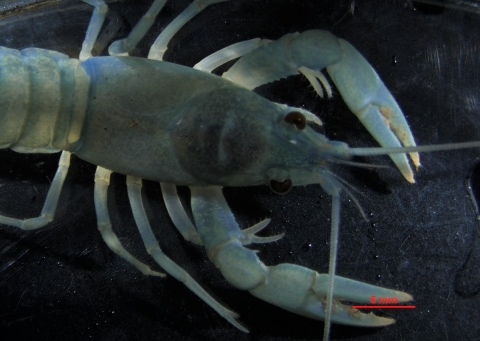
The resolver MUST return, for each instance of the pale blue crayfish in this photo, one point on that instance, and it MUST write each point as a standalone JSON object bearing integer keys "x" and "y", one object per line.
{"x": 159, "y": 121}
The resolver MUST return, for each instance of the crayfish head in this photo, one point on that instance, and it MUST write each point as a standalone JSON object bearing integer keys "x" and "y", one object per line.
{"x": 233, "y": 137}
{"x": 304, "y": 152}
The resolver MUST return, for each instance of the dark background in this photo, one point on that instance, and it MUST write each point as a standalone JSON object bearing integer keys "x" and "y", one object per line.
{"x": 62, "y": 282}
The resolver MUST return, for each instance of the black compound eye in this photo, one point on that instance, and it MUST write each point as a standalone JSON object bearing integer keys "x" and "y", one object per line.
{"x": 281, "y": 187}
{"x": 296, "y": 119}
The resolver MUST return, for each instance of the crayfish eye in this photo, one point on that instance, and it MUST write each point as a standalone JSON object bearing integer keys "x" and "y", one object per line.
{"x": 281, "y": 187}
{"x": 296, "y": 119}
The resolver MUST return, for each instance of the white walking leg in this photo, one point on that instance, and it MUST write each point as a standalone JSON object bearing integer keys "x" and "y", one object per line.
{"x": 51, "y": 202}
{"x": 102, "y": 181}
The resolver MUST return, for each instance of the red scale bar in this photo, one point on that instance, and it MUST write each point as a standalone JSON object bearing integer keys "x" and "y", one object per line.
{"x": 383, "y": 306}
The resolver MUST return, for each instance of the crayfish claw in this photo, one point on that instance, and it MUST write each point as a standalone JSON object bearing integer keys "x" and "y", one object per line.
{"x": 369, "y": 99}
{"x": 249, "y": 236}
{"x": 314, "y": 77}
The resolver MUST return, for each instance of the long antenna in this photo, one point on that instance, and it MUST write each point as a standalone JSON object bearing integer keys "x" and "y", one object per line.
{"x": 396, "y": 150}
